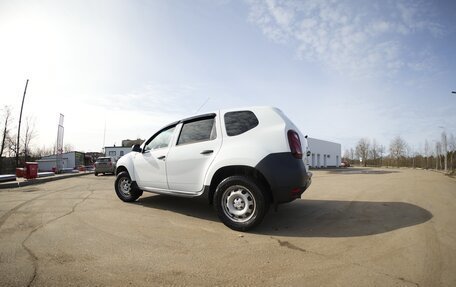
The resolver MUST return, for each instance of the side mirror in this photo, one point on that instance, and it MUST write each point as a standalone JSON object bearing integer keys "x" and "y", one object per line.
{"x": 308, "y": 153}
{"x": 136, "y": 148}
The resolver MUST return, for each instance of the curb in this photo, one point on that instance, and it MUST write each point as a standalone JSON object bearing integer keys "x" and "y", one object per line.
{"x": 40, "y": 180}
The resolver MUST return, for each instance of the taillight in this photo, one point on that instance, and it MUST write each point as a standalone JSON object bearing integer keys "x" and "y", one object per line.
{"x": 295, "y": 144}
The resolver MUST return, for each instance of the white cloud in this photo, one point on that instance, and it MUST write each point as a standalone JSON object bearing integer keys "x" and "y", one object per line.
{"x": 360, "y": 39}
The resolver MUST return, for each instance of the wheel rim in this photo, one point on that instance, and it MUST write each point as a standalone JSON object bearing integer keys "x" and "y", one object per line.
{"x": 125, "y": 186}
{"x": 238, "y": 203}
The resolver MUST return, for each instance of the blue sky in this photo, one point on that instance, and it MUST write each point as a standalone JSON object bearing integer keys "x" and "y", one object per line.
{"x": 341, "y": 70}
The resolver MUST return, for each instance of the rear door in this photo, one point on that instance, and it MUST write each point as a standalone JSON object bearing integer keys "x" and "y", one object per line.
{"x": 187, "y": 162}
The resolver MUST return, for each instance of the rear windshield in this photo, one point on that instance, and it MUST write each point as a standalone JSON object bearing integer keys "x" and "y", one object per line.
{"x": 105, "y": 159}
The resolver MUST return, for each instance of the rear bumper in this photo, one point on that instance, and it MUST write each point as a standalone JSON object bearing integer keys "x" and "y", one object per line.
{"x": 286, "y": 175}
{"x": 105, "y": 169}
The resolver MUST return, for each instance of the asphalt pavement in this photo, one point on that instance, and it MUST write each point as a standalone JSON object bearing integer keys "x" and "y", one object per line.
{"x": 353, "y": 227}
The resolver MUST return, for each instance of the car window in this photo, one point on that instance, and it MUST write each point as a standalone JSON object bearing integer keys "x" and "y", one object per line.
{"x": 197, "y": 131}
{"x": 239, "y": 122}
{"x": 161, "y": 140}
{"x": 104, "y": 159}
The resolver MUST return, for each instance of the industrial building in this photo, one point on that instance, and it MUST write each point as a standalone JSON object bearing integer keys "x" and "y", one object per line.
{"x": 69, "y": 160}
{"x": 323, "y": 153}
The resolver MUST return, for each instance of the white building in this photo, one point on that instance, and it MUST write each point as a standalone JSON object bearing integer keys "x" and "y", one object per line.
{"x": 69, "y": 160}
{"x": 116, "y": 151}
{"x": 323, "y": 153}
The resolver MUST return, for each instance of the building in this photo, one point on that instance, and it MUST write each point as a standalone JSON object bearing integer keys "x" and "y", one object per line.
{"x": 323, "y": 153}
{"x": 116, "y": 151}
{"x": 130, "y": 143}
{"x": 91, "y": 157}
{"x": 119, "y": 151}
{"x": 72, "y": 159}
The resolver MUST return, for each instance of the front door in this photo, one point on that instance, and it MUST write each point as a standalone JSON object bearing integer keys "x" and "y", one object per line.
{"x": 150, "y": 165}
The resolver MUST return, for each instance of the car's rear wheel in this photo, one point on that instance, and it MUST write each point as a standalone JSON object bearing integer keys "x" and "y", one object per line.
{"x": 240, "y": 203}
{"x": 125, "y": 189}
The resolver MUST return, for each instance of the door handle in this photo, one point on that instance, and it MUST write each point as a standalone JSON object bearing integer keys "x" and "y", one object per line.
{"x": 207, "y": 151}
{"x": 161, "y": 157}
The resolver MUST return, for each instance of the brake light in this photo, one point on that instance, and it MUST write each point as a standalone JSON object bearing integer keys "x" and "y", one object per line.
{"x": 295, "y": 144}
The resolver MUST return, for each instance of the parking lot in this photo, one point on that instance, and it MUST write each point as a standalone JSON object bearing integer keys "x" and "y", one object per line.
{"x": 353, "y": 227}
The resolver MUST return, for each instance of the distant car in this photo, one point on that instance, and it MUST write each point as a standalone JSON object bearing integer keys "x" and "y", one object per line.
{"x": 105, "y": 165}
{"x": 345, "y": 164}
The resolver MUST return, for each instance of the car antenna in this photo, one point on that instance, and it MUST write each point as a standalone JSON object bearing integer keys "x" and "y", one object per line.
{"x": 205, "y": 102}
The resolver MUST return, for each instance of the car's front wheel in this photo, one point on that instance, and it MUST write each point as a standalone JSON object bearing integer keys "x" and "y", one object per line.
{"x": 125, "y": 190}
{"x": 240, "y": 203}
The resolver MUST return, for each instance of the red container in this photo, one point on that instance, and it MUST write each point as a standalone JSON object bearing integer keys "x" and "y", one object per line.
{"x": 20, "y": 171}
{"x": 31, "y": 170}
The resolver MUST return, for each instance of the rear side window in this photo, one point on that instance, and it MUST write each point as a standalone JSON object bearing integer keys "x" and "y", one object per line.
{"x": 197, "y": 131}
{"x": 237, "y": 123}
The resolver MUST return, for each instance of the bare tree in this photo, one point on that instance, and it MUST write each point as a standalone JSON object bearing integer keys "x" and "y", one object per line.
{"x": 427, "y": 152}
{"x": 445, "y": 149}
{"x": 381, "y": 152}
{"x": 452, "y": 149}
{"x": 11, "y": 145}
{"x": 68, "y": 147}
{"x": 375, "y": 151}
{"x": 398, "y": 149}
{"x": 362, "y": 149}
{"x": 438, "y": 153}
{"x": 352, "y": 154}
{"x": 43, "y": 151}
{"x": 346, "y": 154}
{"x": 6, "y": 122}
{"x": 29, "y": 136}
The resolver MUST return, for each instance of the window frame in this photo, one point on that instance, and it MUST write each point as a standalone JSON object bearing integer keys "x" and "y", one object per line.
{"x": 197, "y": 119}
{"x": 170, "y": 126}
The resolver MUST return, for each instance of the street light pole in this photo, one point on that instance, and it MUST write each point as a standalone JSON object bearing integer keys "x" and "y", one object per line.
{"x": 19, "y": 127}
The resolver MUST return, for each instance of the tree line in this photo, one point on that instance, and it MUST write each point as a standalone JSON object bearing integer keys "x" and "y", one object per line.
{"x": 10, "y": 146}
{"x": 440, "y": 155}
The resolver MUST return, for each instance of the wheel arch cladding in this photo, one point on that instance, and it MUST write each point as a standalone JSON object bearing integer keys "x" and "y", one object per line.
{"x": 248, "y": 171}
{"x": 121, "y": 168}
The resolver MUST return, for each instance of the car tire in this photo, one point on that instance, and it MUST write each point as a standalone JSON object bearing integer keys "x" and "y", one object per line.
{"x": 96, "y": 174}
{"x": 240, "y": 202}
{"x": 125, "y": 189}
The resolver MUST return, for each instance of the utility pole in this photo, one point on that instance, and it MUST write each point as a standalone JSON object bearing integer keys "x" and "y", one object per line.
{"x": 19, "y": 127}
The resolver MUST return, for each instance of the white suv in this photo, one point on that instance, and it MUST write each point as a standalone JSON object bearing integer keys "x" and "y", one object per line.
{"x": 241, "y": 160}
